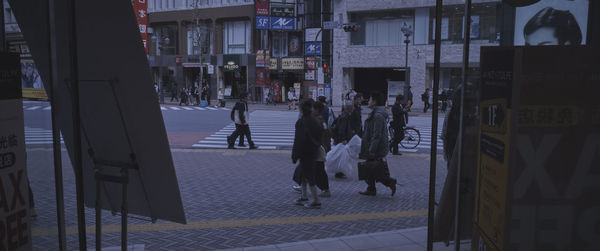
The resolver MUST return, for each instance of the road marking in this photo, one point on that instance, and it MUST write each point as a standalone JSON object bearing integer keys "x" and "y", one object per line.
{"x": 72, "y": 230}
{"x": 33, "y": 108}
{"x": 163, "y": 108}
{"x": 187, "y": 108}
{"x": 200, "y": 108}
{"x": 47, "y": 108}
{"x": 174, "y": 108}
{"x": 211, "y": 108}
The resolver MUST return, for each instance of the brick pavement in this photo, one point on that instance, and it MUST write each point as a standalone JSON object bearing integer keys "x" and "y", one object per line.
{"x": 223, "y": 189}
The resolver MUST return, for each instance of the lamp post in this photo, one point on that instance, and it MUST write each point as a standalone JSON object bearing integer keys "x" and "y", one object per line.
{"x": 407, "y": 31}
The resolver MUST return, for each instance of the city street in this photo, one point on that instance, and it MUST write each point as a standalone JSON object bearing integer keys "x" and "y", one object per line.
{"x": 236, "y": 198}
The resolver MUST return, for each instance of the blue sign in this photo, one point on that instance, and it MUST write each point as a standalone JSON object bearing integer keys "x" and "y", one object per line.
{"x": 310, "y": 47}
{"x": 262, "y": 23}
{"x": 283, "y": 23}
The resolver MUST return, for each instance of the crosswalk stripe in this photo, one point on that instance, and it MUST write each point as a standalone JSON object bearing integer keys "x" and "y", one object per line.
{"x": 174, "y": 108}
{"x": 163, "y": 108}
{"x": 33, "y": 108}
{"x": 211, "y": 108}
{"x": 200, "y": 108}
{"x": 39, "y": 136}
{"x": 47, "y": 108}
{"x": 187, "y": 108}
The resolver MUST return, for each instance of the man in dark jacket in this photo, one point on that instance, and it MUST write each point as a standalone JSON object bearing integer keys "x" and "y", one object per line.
{"x": 356, "y": 116}
{"x": 240, "y": 117}
{"x": 342, "y": 126}
{"x": 400, "y": 118}
{"x": 425, "y": 99}
{"x": 375, "y": 146}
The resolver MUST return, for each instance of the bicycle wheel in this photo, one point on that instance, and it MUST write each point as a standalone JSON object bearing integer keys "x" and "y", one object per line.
{"x": 412, "y": 138}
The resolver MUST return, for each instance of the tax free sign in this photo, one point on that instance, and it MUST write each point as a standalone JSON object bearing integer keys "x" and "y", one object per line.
{"x": 283, "y": 23}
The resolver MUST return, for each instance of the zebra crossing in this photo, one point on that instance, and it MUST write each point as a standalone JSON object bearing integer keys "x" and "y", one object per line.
{"x": 270, "y": 130}
{"x": 425, "y": 144}
{"x": 163, "y": 108}
{"x": 39, "y": 136}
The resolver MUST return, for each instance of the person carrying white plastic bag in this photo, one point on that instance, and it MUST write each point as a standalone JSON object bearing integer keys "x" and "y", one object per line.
{"x": 344, "y": 158}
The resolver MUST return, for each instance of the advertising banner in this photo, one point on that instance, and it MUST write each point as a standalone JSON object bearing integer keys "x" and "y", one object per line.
{"x": 262, "y": 7}
{"x": 310, "y": 48}
{"x": 260, "y": 58}
{"x": 292, "y": 63}
{"x": 567, "y": 21}
{"x": 262, "y": 77}
{"x": 262, "y": 23}
{"x": 538, "y": 155}
{"x": 14, "y": 185}
{"x": 309, "y": 75}
{"x": 283, "y": 23}
{"x": 31, "y": 81}
{"x": 295, "y": 44}
{"x": 141, "y": 13}
{"x": 273, "y": 64}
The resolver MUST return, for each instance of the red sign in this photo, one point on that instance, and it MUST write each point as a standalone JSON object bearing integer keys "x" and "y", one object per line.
{"x": 262, "y": 7}
{"x": 262, "y": 77}
{"x": 140, "y": 7}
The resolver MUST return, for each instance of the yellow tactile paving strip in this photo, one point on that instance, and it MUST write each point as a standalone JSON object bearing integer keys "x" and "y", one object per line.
{"x": 70, "y": 230}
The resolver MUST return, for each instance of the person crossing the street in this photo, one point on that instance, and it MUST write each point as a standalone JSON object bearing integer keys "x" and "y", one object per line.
{"x": 400, "y": 118}
{"x": 240, "y": 116}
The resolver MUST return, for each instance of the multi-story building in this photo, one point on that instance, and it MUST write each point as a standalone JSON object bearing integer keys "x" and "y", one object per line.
{"x": 203, "y": 42}
{"x": 373, "y": 58}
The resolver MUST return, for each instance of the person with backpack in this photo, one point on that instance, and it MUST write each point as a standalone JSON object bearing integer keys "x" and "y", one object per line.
{"x": 240, "y": 116}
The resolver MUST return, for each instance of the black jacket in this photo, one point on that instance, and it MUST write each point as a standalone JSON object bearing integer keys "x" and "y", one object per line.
{"x": 356, "y": 119}
{"x": 307, "y": 138}
{"x": 399, "y": 115}
{"x": 342, "y": 128}
{"x": 240, "y": 107}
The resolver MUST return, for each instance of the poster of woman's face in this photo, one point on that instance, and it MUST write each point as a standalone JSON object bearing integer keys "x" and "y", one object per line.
{"x": 552, "y": 22}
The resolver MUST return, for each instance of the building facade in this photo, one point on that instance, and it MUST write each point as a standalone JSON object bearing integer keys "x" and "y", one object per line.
{"x": 374, "y": 57}
{"x": 202, "y": 43}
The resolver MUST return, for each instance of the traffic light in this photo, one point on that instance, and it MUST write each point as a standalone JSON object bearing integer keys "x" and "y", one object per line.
{"x": 350, "y": 28}
{"x": 325, "y": 69}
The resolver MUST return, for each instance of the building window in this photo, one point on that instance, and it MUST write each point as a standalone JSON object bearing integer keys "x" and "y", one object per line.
{"x": 280, "y": 42}
{"x": 236, "y": 37}
{"x": 483, "y": 24}
{"x": 198, "y": 39}
{"x": 381, "y": 29}
{"x": 164, "y": 39}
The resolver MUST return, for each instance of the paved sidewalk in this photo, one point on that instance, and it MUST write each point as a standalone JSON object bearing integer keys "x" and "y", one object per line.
{"x": 411, "y": 239}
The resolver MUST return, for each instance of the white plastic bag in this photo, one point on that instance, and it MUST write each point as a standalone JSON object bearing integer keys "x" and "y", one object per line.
{"x": 344, "y": 158}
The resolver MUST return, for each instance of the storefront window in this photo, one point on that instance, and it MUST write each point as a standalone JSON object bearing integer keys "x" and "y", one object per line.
{"x": 198, "y": 39}
{"x": 164, "y": 39}
{"x": 280, "y": 48}
{"x": 483, "y": 24}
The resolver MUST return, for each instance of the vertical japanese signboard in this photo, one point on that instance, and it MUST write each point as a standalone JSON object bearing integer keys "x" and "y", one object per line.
{"x": 14, "y": 194}
{"x": 140, "y": 7}
{"x": 262, "y": 7}
{"x": 539, "y": 149}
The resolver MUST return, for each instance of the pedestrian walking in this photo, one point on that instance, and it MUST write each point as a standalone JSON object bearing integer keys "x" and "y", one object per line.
{"x": 321, "y": 178}
{"x": 182, "y": 97}
{"x": 174, "y": 92}
{"x": 208, "y": 93}
{"x": 196, "y": 94}
{"x": 240, "y": 116}
{"x": 444, "y": 99}
{"x": 221, "y": 97}
{"x": 357, "y": 115}
{"x": 400, "y": 118}
{"x": 291, "y": 99}
{"x": 328, "y": 117}
{"x": 307, "y": 140}
{"x": 374, "y": 148}
{"x": 342, "y": 130}
{"x": 425, "y": 99}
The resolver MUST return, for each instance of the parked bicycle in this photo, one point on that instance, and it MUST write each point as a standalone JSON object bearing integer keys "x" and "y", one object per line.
{"x": 412, "y": 137}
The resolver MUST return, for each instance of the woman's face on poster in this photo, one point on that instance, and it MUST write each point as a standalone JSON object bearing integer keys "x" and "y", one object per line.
{"x": 542, "y": 36}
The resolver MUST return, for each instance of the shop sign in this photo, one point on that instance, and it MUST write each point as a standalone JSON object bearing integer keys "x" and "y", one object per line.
{"x": 311, "y": 63}
{"x": 262, "y": 23}
{"x": 282, "y": 11}
{"x": 310, "y": 48}
{"x": 262, "y": 7}
{"x": 273, "y": 65}
{"x": 296, "y": 85}
{"x": 283, "y": 23}
{"x": 231, "y": 63}
{"x": 292, "y": 63}
{"x": 211, "y": 69}
{"x": 140, "y": 7}
{"x": 311, "y": 33}
{"x": 309, "y": 75}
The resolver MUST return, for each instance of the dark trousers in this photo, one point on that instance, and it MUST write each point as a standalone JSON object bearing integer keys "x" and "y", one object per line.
{"x": 241, "y": 130}
{"x": 398, "y": 136}
{"x": 444, "y": 106}
{"x": 380, "y": 174}
{"x": 174, "y": 96}
{"x": 426, "y": 107}
{"x": 321, "y": 176}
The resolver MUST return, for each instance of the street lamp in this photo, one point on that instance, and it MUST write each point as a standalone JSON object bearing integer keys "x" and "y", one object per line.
{"x": 407, "y": 30}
